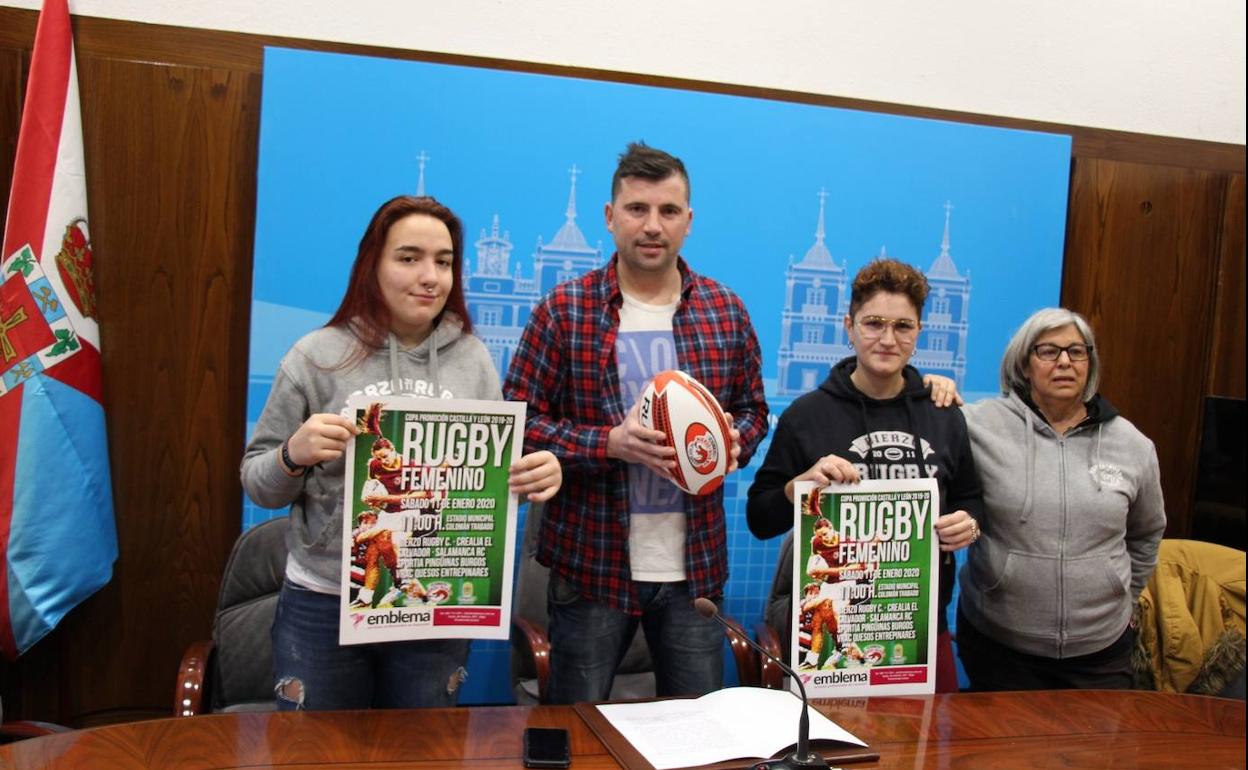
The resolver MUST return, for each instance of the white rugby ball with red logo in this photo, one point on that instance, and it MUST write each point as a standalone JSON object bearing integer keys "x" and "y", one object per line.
{"x": 694, "y": 424}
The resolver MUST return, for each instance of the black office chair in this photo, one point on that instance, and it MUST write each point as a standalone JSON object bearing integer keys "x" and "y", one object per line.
{"x": 233, "y": 671}
{"x": 21, "y": 729}
{"x": 772, "y": 634}
{"x": 530, "y": 647}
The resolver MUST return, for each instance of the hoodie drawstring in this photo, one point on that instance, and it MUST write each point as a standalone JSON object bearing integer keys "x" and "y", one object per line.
{"x": 918, "y": 440}
{"x": 1029, "y": 449}
{"x": 1096, "y": 459}
{"x": 433, "y": 363}
{"x": 394, "y": 364}
{"x": 396, "y": 380}
{"x": 866, "y": 431}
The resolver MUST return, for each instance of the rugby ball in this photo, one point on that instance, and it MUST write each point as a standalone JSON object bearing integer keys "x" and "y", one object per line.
{"x": 690, "y": 418}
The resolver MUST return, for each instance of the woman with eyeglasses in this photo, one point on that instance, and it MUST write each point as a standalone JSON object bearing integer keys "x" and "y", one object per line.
{"x": 1073, "y": 517}
{"x": 874, "y": 418}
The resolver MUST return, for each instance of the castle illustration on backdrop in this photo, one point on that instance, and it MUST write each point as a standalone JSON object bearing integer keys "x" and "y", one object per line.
{"x": 817, "y": 293}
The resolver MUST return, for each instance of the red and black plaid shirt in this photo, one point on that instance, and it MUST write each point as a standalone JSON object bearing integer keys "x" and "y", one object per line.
{"x": 565, "y": 368}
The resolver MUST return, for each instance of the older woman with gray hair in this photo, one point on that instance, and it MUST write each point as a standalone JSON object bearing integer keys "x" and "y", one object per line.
{"x": 1073, "y": 516}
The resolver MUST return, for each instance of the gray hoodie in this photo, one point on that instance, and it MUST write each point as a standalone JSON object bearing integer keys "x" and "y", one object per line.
{"x": 449, "y": 364}
{"x": 1070, "y": 532}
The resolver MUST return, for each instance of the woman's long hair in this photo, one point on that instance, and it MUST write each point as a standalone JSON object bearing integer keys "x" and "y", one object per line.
{"x": 363, "y": 311}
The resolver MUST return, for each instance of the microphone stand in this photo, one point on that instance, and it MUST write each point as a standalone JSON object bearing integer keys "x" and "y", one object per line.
{"x": 801, "y": 758}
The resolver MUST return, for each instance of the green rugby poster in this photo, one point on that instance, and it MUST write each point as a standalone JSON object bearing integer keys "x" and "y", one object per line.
{"x": 865, "y": 586}
{"x": 429, "y": 525}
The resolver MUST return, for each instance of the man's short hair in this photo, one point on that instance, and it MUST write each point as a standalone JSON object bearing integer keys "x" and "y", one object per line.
{"x": 645, "y": 162}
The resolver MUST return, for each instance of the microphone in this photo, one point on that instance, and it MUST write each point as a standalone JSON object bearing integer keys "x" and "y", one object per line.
{"x": 802, "y": 758}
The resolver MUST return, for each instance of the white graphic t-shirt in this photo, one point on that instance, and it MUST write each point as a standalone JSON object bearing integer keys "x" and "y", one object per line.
{"x": 656, "y": 536}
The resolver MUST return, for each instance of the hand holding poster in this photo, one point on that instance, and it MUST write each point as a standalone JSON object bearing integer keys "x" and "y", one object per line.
{"x": 865, "y": 587}
{"x": 429, "y": 523}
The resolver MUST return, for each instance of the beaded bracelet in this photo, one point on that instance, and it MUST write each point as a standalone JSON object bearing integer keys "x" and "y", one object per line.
{"x": 290, "y": 466}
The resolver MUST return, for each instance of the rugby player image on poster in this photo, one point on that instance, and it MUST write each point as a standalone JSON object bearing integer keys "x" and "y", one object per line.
{"x": 865, "y": 587}
{"x": 429, "y": 523}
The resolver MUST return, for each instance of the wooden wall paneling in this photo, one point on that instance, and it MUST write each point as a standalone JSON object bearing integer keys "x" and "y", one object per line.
{"x": 1140, "y": 264}
{"x": 13, "y": 63}
{"x": 1226, "y": 353}
{"x": 171, "y": 155}
{"x": 121, "y": 40}
{"x": 132, "y": 41}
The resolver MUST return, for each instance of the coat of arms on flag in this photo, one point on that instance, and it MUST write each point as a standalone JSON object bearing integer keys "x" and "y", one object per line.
{"x": 35, "y": 331}
{"x": 74, "y": 263}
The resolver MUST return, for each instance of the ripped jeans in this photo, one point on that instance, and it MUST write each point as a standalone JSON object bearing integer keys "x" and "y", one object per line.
{"x": 312, "y": 671}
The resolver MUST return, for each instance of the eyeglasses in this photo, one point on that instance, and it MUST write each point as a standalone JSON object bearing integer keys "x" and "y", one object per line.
{"x": 1048, "y": 352}
{"x": 874, "y": 326}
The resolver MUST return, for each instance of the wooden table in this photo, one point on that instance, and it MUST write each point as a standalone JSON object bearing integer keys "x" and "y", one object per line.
{"x": 1071, "y": 729}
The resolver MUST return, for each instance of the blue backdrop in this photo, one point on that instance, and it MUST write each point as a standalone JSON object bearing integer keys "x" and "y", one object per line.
{"x": 789, "y": 201}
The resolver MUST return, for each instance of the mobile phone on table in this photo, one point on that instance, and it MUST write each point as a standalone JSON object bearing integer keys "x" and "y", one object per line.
{"x": 546, "y": 747}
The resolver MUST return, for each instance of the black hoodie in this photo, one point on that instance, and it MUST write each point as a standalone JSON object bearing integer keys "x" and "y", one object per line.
{"x": 880, "y": 437}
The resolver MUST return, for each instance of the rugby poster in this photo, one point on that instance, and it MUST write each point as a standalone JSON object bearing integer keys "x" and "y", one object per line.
{"x": 429, "y": 524}
{"x": 865, "y": 586}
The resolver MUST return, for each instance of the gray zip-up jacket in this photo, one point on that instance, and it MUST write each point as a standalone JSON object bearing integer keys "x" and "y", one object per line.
{"x": 1071, "y": 528}
{"x": 449, "y": 364}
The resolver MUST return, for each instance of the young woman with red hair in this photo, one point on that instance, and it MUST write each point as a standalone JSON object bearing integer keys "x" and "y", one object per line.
{"x": 402, "y": 329}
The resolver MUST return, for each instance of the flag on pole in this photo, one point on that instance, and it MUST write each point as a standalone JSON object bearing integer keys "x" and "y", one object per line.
{"x": 58, "y": 541}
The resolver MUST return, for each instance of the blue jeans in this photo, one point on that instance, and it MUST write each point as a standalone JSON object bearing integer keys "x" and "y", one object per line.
{"x": 588, "y": 640}
{"x": 312, "y": 671}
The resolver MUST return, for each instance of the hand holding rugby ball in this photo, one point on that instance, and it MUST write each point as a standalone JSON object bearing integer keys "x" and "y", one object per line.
{"x": 691, "y": 419}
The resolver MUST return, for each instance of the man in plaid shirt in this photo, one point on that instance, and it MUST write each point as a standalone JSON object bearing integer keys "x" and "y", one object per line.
{"x": 625, "y": 546}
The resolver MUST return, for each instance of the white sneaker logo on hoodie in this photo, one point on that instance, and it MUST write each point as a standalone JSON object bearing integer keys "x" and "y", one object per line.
{"x": 1106, "y": 475}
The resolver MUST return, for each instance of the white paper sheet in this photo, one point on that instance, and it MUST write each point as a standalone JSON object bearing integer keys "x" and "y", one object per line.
{"x": 726, "y": 724}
